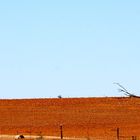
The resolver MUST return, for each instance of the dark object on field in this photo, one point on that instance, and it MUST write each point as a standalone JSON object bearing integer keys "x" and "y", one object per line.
{"x": 122, "y": 89}
{"x": 19, "y": 137}
{"x": 59, "y": 96}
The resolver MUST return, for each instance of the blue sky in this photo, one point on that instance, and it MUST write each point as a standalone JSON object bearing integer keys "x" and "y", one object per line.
{"x": 73, "y": 48}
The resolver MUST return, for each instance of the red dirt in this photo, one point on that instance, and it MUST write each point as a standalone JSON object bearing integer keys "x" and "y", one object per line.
{"x": 80, "y": 117}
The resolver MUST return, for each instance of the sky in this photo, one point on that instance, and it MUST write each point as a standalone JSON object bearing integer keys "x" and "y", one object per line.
{"x": 72, "y": 48}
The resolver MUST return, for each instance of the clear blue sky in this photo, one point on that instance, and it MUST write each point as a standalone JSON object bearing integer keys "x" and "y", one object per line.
{"x": 73, "y": 48}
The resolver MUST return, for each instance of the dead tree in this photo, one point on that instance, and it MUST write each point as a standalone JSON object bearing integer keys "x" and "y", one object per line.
{"x": 125, "y": 91}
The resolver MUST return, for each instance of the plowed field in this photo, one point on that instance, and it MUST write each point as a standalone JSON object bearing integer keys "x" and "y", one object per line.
{"x": 79, "y": 117}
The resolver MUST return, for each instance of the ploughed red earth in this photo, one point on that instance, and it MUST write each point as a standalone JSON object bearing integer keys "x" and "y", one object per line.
{"x": 79, "y": 117}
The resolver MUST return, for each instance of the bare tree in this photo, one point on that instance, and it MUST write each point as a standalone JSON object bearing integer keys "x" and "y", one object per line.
{"x": 125, "y": 91}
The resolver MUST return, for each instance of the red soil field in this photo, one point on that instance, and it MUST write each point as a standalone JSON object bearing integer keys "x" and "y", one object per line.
{"x": 79, "y": 117}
